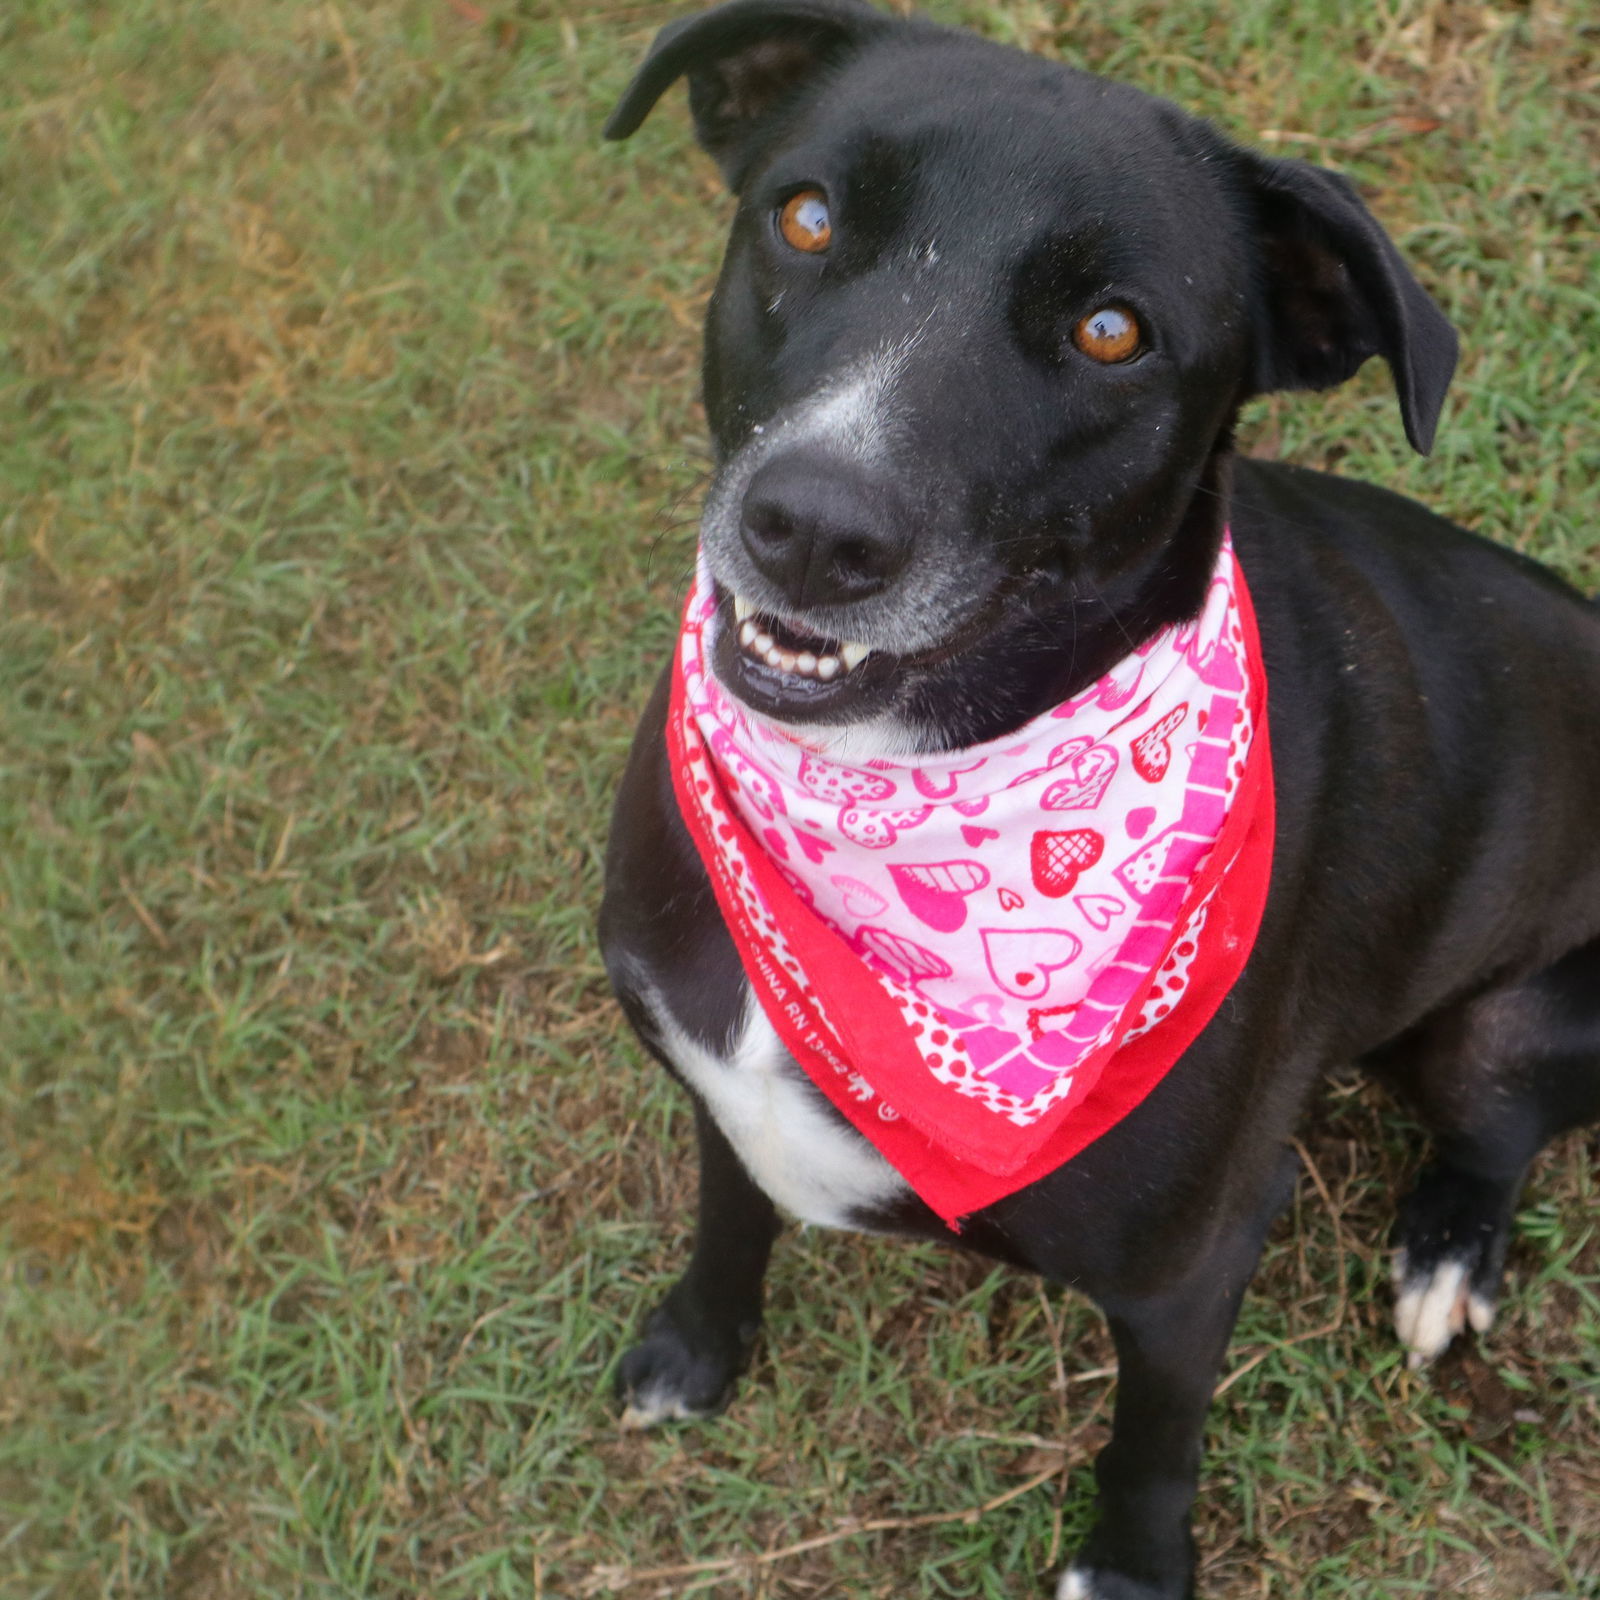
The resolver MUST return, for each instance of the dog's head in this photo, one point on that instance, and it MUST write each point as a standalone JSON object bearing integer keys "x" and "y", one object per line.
{"x": 973, "y": 360}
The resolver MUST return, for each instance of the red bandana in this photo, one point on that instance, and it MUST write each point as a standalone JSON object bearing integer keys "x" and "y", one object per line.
{"x": 987, "y": 958}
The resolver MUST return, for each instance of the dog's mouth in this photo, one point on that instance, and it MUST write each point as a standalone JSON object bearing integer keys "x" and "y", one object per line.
{"x": 781, "y": 668}
{"x": 786, "y": 650}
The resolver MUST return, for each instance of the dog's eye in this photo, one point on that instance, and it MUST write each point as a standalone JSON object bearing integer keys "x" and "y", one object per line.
{"x": 1110, "y": 334}
{"x": 804, "y": 221}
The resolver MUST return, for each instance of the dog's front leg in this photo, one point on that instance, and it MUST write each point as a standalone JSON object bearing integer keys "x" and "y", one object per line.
{"x": 1169, "y": 1353}
{"x": 698, "y": 1340}
{"x": 1170, "y": 1350}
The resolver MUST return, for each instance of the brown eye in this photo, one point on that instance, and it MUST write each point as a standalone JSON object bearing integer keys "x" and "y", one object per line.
{"x": 1109, "y": 335}
{"x": 804, "y": 223}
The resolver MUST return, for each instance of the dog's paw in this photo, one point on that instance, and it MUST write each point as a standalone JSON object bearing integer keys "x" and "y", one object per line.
{"x": 1450, "y": 1256}
{"x": 677, "y": 1374}
{"x": 1090, "y": 1583}
{"x": 1432, "y": 1304}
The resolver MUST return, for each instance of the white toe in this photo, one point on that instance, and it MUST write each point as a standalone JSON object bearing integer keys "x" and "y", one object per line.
{"x": 653, "y": 1406}
{"x": 1076, "y": 1584}
{"x": 1480, "y": 1313}
{"x": 1430, "y": 1311}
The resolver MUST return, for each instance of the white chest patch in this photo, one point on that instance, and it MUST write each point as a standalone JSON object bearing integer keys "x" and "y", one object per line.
{"x": 808, "y": 1160}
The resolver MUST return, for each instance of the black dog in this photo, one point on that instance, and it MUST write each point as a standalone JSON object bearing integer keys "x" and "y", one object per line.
{"x": 920, "y": 449}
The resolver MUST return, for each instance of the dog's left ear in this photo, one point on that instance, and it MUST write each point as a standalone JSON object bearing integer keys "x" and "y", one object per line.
{"x": 1336, "y": 291}
{"x": 742, "y": 60}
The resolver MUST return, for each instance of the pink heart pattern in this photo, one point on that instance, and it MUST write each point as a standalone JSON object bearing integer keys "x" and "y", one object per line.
{"x": 1023, "y": 960}
{"x": 1152, "y": 750}
{"x": 935, "y": 892}
{"x": 1099, "y": 909}
{"x": 860, "y": 900}
{"x": 943, "y": 782}
{"x": 877, "y": 830}
{"x": 811, "y": 847}
{"x": 841, "y": 785}
{"x": 1088, "y": 776}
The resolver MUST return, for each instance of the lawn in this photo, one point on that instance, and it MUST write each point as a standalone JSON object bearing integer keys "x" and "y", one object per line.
{"x": 348, "y": 462}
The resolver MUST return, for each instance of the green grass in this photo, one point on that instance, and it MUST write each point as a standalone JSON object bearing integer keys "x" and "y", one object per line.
{"x": 348, "y": 455}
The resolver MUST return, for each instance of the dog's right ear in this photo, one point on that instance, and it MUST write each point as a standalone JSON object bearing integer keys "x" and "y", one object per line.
{"x": 742, "y": 59}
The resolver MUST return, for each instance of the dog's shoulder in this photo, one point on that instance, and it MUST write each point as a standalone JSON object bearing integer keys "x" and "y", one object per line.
{"x": 1326, "y": 544}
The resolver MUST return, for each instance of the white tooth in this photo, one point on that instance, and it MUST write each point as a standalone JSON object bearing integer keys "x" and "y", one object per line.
{"x": 806, "y": 662}
{"x": 741, "y": 608}
{"x": 774, "y": 656}
{"x": 786, "y": 660}
{"x": 853, "y": 655}
{"x": 827, "y": 667}
{"x": 763, "y": 644}
{"x": 747, "y": 632}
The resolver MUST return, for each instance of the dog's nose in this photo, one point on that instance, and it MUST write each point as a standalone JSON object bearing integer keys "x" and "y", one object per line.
{"x": 822, "y": 533}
